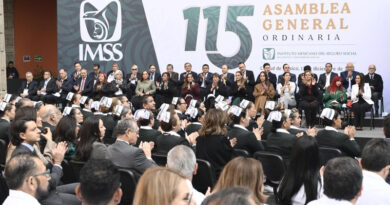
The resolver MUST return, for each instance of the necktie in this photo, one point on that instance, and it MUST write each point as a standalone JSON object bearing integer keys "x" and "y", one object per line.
{"x": 152, "y": 76}
{"x": 82, "y": 84}
{"x": 372, "y": 77}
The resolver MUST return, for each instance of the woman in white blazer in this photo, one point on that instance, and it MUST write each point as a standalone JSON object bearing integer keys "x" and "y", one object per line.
{"x": 287, "y": 91}
{"x": 361, "y": 99}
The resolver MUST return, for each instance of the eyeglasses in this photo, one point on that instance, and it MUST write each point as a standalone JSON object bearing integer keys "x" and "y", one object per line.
{"x": 133, "y": 69}
{"x": 47, "y": 173}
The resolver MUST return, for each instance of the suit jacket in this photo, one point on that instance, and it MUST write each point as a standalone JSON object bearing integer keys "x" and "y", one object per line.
{"x": 166, "y": 95}
{"x": 377, "y": 82}
{"x": 147, "y": 135}
{"x": 174, "y": 77}
{"x": 88, "y": 86}
{"x": 93, "y": 76}
{"x": 322, "y": 80}
{"x": 281, "y": 143}
{"x": 86, "y": 113}
{"x": 246, "y": 140}
{"x": 74, "y": 77}
{"x": 99, "y": 151}
{"x": 4, "y": 131}
{"x": 32, "y": 88}
{"x": 166, "y": 142}
{"x": 66, "y": 87}
{"x": 157, "y": 77}
{"x": 267, "y": 127}
{"x": 292, "y": 79}
{"x": 51, "y": 86}
{"x": 344, "y": 75}
{"x": 129, "y": 157}
{"x": 331, "y": 138}
{"x": 251, "y": 78}
{"x": 222, "y": 89}
{"x": 229, "y": 78}
{"x": 51, "y": 127}
{"x": 181, "y": 81}
{"x": 209, "y": 79}
{"x": 300, "y": 82}
{"x": 271, "y": 78}
{"x": 145, "y": 86}
{"x": 193, "y": 127}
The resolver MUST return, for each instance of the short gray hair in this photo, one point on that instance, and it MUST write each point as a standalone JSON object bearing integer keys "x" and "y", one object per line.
{"x": 123, "y": 125}
{"x": 182, "y": 158}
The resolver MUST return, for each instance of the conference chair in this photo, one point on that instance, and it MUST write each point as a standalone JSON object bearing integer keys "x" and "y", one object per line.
{"x": 161, "y": 160}
{"x": 241, "y": 153}
{"x": 69, "y": 176}
{"x": 274, "y": 169}
{"x": 76, "y": 167}
{"x": 328, "y": 153}
{"x": 128, "y": 185}
{"x": 205, "y": 176}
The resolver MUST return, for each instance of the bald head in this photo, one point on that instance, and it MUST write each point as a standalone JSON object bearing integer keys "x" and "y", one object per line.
{"x": 49, "y": 113}
{"x": 349, "y": 67}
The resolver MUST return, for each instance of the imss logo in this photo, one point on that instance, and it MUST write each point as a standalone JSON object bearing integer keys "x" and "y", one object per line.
{"x": 101, "y": 26}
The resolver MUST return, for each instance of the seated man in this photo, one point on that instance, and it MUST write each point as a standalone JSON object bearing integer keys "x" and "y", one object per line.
{"x": 47, "y": 87}
{"x": 286, "y": 69}
{"x": 326, "y": 78}
{"x": 348, "y": 77}
{"x": 375, "y": 162}
{"x": 376, "y": 85}
{"x": 124, "y": 154}
{"x": 29, "y": 88}
{"x": 342, "y": 182}
{"x": 99, "y": 183}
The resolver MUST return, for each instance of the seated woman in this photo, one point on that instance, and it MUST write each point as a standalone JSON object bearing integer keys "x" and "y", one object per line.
{"x": 166, "y": 90}
{"x": 91, "y": 144}
{"x": 330, "y": 137}
{"x": 190, "y": 89}
{"x": 159, "y": 185}
{"x": 196, "y": 118}
{"x": 287, "y": 91}
{"x": 335, "y": 96}
{"x": 100, "y": 87}
{"x": 302, "y": 181}
{"x": 246, "y": 140}
{"x": 67, "y": 130}
{"x": 243, "y": 172}
{"x": 217, "y": 87}
{"x": 76, "y": 114}
{"x": 361, "y": 100}
{"x": 212, "y": 144}
{"x": 308, "y": 93}
{"x": 145, "y": 86}
{"x": 240, "y": 89}
{"x": 263, "y": 92}
{"x": 118, "y": 87}
{"x": 170, "y": 137}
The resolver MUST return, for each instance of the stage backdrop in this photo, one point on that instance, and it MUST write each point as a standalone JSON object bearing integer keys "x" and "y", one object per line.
{"x": 215, "y": 32}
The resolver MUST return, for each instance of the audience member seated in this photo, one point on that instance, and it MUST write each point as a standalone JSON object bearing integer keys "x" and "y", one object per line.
{"x": 76, "y": 74}
{"x": 99, "y": 183}
{"x": 295, "y": 127}
{"x": 286, "y": 69}
{"x": 100, "y": 88}
{"x": 6, "y": 116}
{"x": 166, "y": 90}
{"x": 196, "y": 120}
{"x": 271, "y": 76}
{"x": 83, "y": 85}
{"x": 302, "y": 181}
{"x": 87, "y": 109}
{"x": 76, "y": 114}
{"x": 326, "y": 78}
{"x": 160, "y": 185}
{"x": 309, "y": 95}
{"x": 132, "y": 80}
{"x": 301, "y": 77}
{"x": 375, "y": 163}
{"x": 180, "y": 107}
{"x": 190, "y": 89}
{"x": 330, "y": 137}
{"x": 204, "y": 80}
{"x": 95, "y": 73}
{"x": 29, "y": 88}
{"x": 114, "y": 70}
{"x": 342, "y": 182}
{"x": 64, "y": 84}
{"x": 153, "y": 75}
{"x": 246, "y": 140}
{"x": 240, "y": 89}
{"x": 182, "y": 159}
{"x": 286, "y": 91}
{"x": 361, "y": 100}
{"x": 145, "y": 86}
{"x": 67, "y": 131}
{"x": 335, "y": 96}
{"x": 118, "y": 86}
{"x": 11, "y": 71}
{"x": 264, "y": 91}
{"x": 90, "y": 145}
{"x": 248, "y": 77}
{"x": 188, "y": 70}
{"x": 376, "y": 84}
{"x": 252, "y": 113}
{"x": 126, "y": 113}
{"x": 50, "y": 116}
{"x": 173, "y": 76}
{"x": 146, "y": 120}
{"x": 348, "y": 77}
{"x": 217, "y": 87}
{"x": 226, "y": 78}
{"x": 47, "y": 87}
{"x": 232, "y": 196}
{"x": 243, "y": 172}
{"x": 212, "y": 144}
{"x": 124, "y": 154}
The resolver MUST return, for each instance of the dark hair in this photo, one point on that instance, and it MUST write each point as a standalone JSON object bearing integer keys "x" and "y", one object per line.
{"x": 239, "y": 63}
{"x": 329, "y": 64}
{"x": 307, "y": 67}
{"x": 21, "y": 103}
{"x": 89, "y": 133}
{"x": 99, "y": 179}
{"x": 47, "y": 71}
{"x": 178, "y": 101}
{"x": 8, "y": 107}
{"x": 361, "y": 84}
{"x": 170, "y": 65}
{"x": 65, "y": 130}
{"x": 266, "y": 81}
{"x": 72, "y": 112}
{"x": 146, "y": 122}
{"x": 151, "y": 65}
{"x": 376, "y": 155}
{"x": 231, "y": 196}
{"x": 19, "y": 168}
{"x": 284, "y": 65}
{"x": 96, "y": 65}
{"x": 286, "y": 73}
{"x": 266, "y": 64}
{"x": 166, "y": 73}
{"x": 303, "y": 170}
{"x": 278, "y": 124}
{"x": 166, "y": 127}
{"x": 342, "y": 178}
{"x": 199, "y": 115}
{"x": 77, "y": 62}
{"x": 386, "y": 126}
{"x": 145, "y": 99}
{"x": 205, "y": 65}
{"x": 328, "y": 122}
{"x": 17, "y": 127}
{"x": 142, "y": 77}
{"x": 236, "y": 119}
{"x": 26, "y": 113}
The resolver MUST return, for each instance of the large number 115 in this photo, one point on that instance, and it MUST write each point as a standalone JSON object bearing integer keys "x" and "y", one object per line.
{"x": 232, "y": 25}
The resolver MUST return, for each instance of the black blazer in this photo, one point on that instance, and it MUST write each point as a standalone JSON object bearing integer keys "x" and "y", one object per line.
{"x": 193, "y": 127}
{"x": 322, "y": 80}
{"x": 195, "y": 75}
{"x": 32, "y": 88}
{"x": 93, "y": 76}
{"x": 267, "y": 127}
{"x": 4, "y": 131}
{"x": 271, "y": 78}
{"x": 281, "y": 143}
{"x": 222, "y": 89}
{"x": 131, "y": 86}
{"x": 229, "y": 78}
{"x": 209, "y": 79}
{"x": 377, "y": 82}
{"x": 86, "y": 114}
{"x": 293, "y": 78}
{"x": 112, "y": 88}
{"x": 97, "y": 94}
{"x": 251, "y": 78}
{"x": 215, "y": 149}
{"x": 304, "y": 93}
{"x": 66, "y": 87}
{"x": 300, "y": 82}
{"x": 157, "y": 77}
{"x": 344, "y": 75}
{"x": 245, "y": 140}
{"x": 330, "y": 138}
{"x": 166, "y": 142}
{"x": 51, "y": 87}
{"x": 148, "y": 135}
{"x": 166, "y": 95}
{"x": 88, "y": 86}
{"x": 296, "y": 131}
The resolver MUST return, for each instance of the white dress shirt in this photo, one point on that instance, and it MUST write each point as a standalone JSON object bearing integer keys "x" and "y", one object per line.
{"x": 300, "y": 197}
{"x": 327, "y": 83}
{"x": 196, "y": 196}
{"x": 375, "y": 190}
{"x": 17, "y": 197}
{"x": 328, "y": 201}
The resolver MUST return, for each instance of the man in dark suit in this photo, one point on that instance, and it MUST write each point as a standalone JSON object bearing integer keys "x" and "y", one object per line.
{"x": 376, "y": 85}
{"x": 246, "y": 140}
{"x": 204, "y": 79}
{"x": 226, "y": 77}
{"x": 83, "y": 85}
{"x": 6, "y": 116}
{"x": 132, "y": 79}
{"x": 11, "y": 71}
{"x": 249, "y": 79}
{"x": 188, "y": 68}
{"x": 124, "y": 154}
{"x": 153, "y": 75}
{"x": 46, "y": 89}
{"x": 270, "y": 75}
{"x": 95, "y": 73}
{"x": 348, "y": 77}
{"x": 146, "y": 131}
{"x": 286, "y": 69}
{"x": 50, "y": 116}
{"x": 29, "y": 88}
{"x": 327, "y": 77}
{"x": 76, "y": 74}
{"x": 65, "y": 85}
{"x": 174, "y": 78}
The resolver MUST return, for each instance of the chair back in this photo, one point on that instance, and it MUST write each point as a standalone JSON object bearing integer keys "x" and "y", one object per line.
{"x": 273, "y": 165}
{"x": 241, "y": 153}
{"x": 160, "y": 159}
{"x": 205, "y": 176}
{"x": 68, "y": 174}
{"x": 128, "y": 185}
{"x": 76, "y": 167}
{"x": 328, "y": 153}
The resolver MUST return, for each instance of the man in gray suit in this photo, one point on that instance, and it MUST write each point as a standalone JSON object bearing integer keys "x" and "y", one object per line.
{"x": 123, "y": 154}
